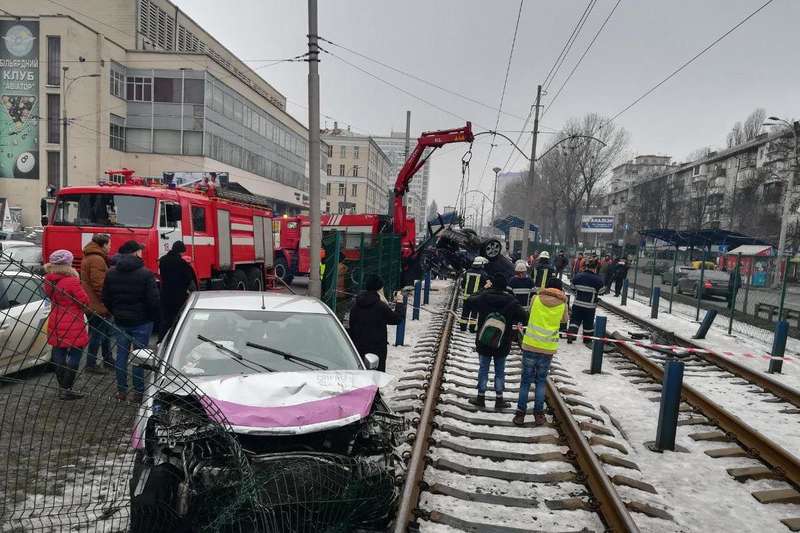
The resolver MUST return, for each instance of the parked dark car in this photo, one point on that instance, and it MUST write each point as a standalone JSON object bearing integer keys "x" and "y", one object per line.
{"x": 715, "y": 283}
{"x": 680, "y": 272}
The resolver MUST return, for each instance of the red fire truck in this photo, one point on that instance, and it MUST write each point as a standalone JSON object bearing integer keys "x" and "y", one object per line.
{"x": 228, "y": 235}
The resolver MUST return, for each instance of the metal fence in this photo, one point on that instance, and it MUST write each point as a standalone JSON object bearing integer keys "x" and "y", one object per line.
{"x": 750, "y": 294}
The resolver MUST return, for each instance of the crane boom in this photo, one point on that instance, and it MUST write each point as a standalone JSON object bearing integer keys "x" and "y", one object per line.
{"x": 429, "y": 139}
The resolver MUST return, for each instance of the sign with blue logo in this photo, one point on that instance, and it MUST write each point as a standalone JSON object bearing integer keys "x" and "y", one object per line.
{"x": 597, "y": 223}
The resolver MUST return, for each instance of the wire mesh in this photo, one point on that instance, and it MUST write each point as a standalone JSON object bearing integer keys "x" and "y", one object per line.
{"x": 77, "y": 453}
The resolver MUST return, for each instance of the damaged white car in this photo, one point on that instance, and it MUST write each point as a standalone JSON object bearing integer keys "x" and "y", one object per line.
{"x": 259, "y": 415}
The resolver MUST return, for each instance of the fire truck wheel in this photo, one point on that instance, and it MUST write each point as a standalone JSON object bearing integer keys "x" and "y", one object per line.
{"x": 282, "y": 270}
{"x": 255, "y": 281}
{"x": 236, "y": 281}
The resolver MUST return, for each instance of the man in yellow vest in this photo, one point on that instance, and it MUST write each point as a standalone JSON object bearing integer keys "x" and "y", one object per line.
{"x": 539, "y": 344}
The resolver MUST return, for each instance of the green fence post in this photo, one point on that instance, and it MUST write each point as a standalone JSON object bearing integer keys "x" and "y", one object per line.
{"x": 700, "y": 285}
{"x": 361, "y": 265}
{"x": 335, "y": 269}
{"x": 653, "y": 273}
{"x": 636, "y": 270}
{"x": 783, "y": 287}
{"x": 733, "y": 290}
{"x": 672, "y": 281}
{"x": 747, "y": 287}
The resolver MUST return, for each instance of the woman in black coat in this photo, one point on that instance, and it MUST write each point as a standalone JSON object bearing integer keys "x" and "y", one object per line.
{"x": 369, "y": 317}
{"x": 176, "y": 279}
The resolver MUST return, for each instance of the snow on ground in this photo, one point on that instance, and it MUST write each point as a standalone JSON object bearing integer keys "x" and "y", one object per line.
{"x": 700, "y": 493}
{"x": 719, "y": 341}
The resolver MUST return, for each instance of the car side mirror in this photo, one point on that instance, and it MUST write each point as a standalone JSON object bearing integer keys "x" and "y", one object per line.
{"x": 144, "y": 358}
{"x": 372, "y": 361}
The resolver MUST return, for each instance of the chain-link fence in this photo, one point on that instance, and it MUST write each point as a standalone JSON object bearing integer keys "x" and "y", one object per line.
{"x": 98, "y": 433}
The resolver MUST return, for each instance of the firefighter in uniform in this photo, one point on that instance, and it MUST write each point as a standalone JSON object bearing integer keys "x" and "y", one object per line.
{"x": 588, "y": 286}
{"x": 542, "y": 271}
{"x": 474, "y": 279}
{"x": 521, "y": 284}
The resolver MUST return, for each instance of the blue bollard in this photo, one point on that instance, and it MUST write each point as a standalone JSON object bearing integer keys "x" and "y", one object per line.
{"x": 400, "y": 331}
{"x": 417, "y": 295}
{"x": 711, "y": 314}
{"x": 670, "y": 404}
{"x": 655, "y": 299}
{"x": 427, "y": 297}
{"x": 624, "y": 298}
{"x": 597, "y": 345}
{"x": 778, "y": 346}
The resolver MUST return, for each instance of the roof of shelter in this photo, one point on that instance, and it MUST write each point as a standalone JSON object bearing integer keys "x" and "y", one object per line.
{"x": 705, "y": 237}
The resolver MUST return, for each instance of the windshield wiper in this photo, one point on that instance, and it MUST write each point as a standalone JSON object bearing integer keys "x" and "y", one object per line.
{"x": 236, "y": 355}
{"x": 287, "y": 356}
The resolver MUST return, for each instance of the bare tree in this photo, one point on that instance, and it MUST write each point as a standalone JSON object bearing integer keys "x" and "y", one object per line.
{"x": 752, "y": 128}
{"x": 698, "y": 154}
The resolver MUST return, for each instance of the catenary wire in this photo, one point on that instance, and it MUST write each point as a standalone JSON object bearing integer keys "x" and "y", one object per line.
{"x": 562, "y": 56}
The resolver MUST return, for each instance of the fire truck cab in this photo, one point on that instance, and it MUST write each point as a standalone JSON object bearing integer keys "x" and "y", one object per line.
{"x": 228, "y": 237}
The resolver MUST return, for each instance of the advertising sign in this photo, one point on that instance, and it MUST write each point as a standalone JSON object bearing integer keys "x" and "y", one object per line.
{"x": 19, "y": 99}
{"x": 597, "y": 223}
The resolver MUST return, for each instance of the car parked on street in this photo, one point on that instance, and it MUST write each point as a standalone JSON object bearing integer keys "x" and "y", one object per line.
{"x": 16, "y": 254}
{"x": 23, "y": 315}
{"x": 671, "y": 276}
{"x": 715, "y": 283}
{"x": 277, "y": 392}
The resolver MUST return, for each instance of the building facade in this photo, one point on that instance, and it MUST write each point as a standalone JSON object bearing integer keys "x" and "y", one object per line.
{"x": 356, "y": 172}
{"x": 139, "y": 85}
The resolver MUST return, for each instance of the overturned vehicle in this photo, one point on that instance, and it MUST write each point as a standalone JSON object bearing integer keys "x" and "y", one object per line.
{"x": 259, "y": 415}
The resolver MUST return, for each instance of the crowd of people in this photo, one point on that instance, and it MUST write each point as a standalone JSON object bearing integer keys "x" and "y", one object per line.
{"x": 111, "y": 298}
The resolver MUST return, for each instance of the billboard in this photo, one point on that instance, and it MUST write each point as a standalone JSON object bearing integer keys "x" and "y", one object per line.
{"x": 597, "y": 223}
{"x": 19, "y": 99}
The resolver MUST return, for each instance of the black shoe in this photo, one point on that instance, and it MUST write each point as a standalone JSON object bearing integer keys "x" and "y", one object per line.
{"x": 69, "y": 394}
{"x": 478, "y": 401}
{"x": 500, "y": 403}
{"x": 519, "y": 418}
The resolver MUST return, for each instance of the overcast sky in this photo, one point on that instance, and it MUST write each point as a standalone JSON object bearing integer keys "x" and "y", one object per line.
{"x": 463, "y": 45}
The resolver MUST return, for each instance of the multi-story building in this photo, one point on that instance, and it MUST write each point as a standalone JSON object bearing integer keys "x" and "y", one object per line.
{"x": 638, "y": 168}
{"x": 417, "y": 198}
{"x": 141, "y": 86}
{"x": 357, "y": 173}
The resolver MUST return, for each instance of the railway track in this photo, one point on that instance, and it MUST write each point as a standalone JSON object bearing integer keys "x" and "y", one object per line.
{"x": 471, "y": 469}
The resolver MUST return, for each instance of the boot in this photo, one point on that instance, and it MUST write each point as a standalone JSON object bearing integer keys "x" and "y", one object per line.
{"x": 69, "y": 394}
{"x": 519, "y": 418}
{"x": 539, "y": 419}
{"x": 500, "y": 403}
{"x": 67, "y": 380}
{"x": 135, "y": 397}
{"x": 100, "y": 370}
{"x": 478, "y": 401}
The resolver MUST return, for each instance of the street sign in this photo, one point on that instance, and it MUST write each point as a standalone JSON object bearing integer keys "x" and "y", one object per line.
{"x": 597, "y": 223}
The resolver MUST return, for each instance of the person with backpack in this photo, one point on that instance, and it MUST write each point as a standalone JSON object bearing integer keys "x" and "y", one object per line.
{"x": 473, "y": 282}
{"x": 542, "y": 271}
{"x": 588, "y": 286}
{"x": 497, "y": 313}
{"x": 521, "y": 284}
{"x": 539, "y": 344}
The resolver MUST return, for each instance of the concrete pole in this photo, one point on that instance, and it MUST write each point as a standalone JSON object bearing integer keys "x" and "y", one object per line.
{"x": 494, "y": 194}
{"x": 314, "y": 286}
{"x": 531, "y": 173}
{"x": 64, "y": 123}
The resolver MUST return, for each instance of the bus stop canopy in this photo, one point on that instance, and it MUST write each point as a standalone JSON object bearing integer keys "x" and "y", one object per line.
{"x": 702, "y": 238}
{"x": 505, "y": 224}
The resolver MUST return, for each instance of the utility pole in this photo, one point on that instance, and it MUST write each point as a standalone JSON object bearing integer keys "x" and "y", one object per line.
{"x": 788, "y": 195}
{"x": 480, "y": 227}
{"x": 531, "y": 176}
{"x": 494, "y": 194}
{"x": 64, "y": 151}
{"x": 314, "y": 285}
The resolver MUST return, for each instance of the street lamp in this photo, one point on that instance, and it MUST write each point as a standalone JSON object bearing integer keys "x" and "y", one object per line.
{"x": 64, "y": 121}
{"x": 787, "y": 196}
{"x": 485, "y": 197}
{"x": 496, "y": 171}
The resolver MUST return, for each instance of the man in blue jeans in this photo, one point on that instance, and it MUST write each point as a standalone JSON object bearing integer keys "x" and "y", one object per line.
{"x": 539, "y": 344}
{"x": 131, "y": 295}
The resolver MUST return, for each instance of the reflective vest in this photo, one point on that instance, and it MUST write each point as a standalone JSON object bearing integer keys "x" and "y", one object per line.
{"x": 471, "y": 284}
{"x": 541, "y": 335}
{"x": 321, "y": 270}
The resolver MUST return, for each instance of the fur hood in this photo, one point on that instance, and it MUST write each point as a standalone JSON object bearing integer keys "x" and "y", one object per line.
{"x": 64, "y": 270}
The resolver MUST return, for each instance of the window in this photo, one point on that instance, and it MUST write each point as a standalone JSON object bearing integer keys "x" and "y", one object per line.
{"x": 341, "y": 170}
{"x": 328, "y": 169}
{"x": 53, "y": 60}
{"x": 117, "y": 83}
{"x": 53, "y": 169}
{"x": 330, "y": 150}
{"x": 355, "y": 152}
{"x": 167, "y": 90}
{"x": 53, "y": 114}
{"x": 355, "y": 171}
{"x": 354, "y": 189}
{"x": 117, "y": 133}
{"x": 327, "y": 207}
{"x": 696, "y": 170}
{"x": 343, "y": 151}
{"x": 327, "y": 188}
{"x": 199, "y": 218}
{"x": 342, "y": 190}
{"x": 139, "y": 89}
{"x": 19, "y": 291}
{"x": 119, "y": 210}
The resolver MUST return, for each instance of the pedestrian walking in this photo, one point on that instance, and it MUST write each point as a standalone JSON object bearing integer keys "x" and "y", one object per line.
{"x": 370, "y": 316}
{"x": 66, "y": 325}
{"x": 539, "y": 344}
{"x": 588, "y": 286}
{"x": 177, "y": 278}
{"x": 521, "y": 284}
{"x": 497, "y": 313}
{"x": 94, "y": 267}
{"x": 620, "y": 273}
{"x": 131, "y": 295}
{"x": 607, "y": 267}
{"x": 577, "y": 265}
{"x": 561, "y": 262}
{"x": 542, "y": 271}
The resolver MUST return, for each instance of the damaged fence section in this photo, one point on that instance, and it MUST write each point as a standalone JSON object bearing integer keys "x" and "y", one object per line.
{"x": 78, "y": 454}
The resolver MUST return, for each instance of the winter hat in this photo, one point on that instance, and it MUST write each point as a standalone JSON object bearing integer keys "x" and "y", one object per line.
{"x": 373, "y": 283}
{"x": 61, "y": 257}
{"x": 178, "y": 247}
{"x": 130, "y": 247}
{"x": 499, "y": 282}
{"x": 101, "y": 238}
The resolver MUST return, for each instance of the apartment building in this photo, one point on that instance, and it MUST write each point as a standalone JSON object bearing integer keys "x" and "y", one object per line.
{"x": 141, "y": 86}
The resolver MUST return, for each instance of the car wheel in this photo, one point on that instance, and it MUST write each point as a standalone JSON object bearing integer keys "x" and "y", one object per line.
{"x": 255, "y": 279}
{"x": 236, "y": 281}
{"x": 492, "y": 249}
{"x": 283, "y": 271}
